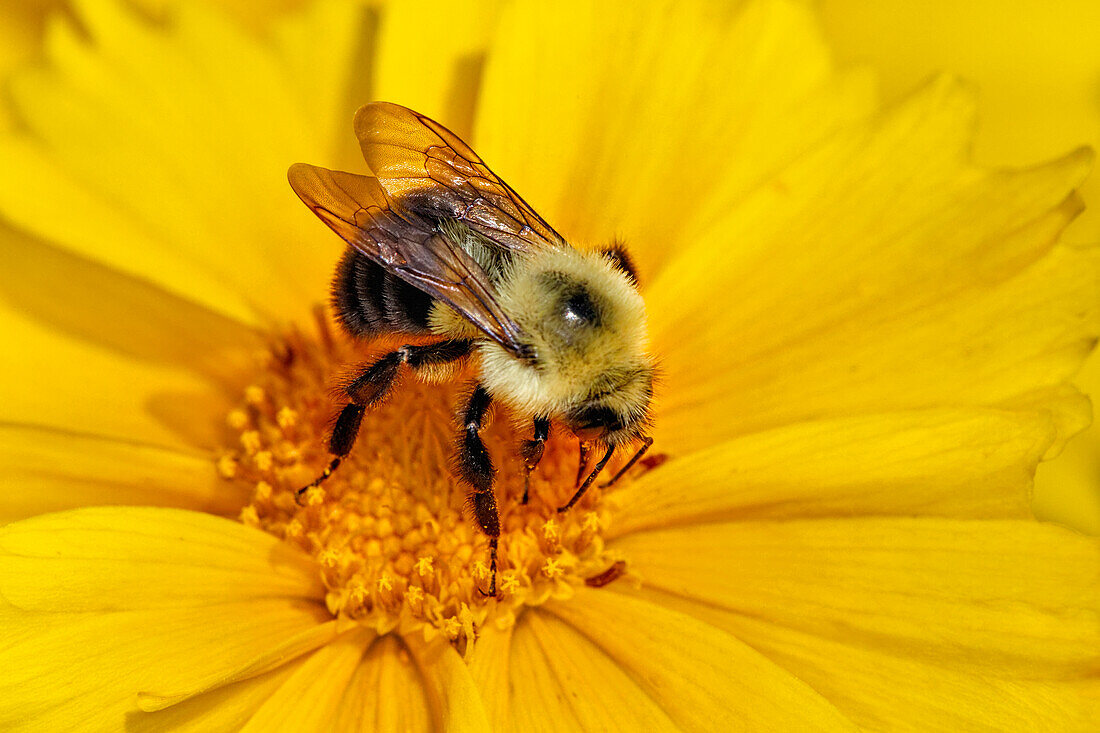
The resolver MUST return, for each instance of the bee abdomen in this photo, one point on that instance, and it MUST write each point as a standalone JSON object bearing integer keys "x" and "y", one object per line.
{"x": 370, "y": 301}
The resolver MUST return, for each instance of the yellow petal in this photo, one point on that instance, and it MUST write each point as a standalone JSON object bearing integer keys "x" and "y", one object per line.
{"x": 138, "y": 320}
{"x": 1067, "y": 490}
{"x": 490, "y": 666}
{"x": 386, "y": 693}
{"x": 175, "y": 144}
{"x": 440, "y": 79}
{"x": 155, "y": 600}
{"x": 324, "y": 50}
{"x": 46, "y": 470}
{"x": 280, "y": 652}
{"x": 560, "y": 680}
{"x": 90, "y": 390}
{"x": 35, "y": 186}
{"x": 257, "y": 15}
{"x": 19, "y": 38}
{"x": 621, "y": 129}
{"x": 309, "y": 700}
{"x": 456, "y": 702}
{"x": 1005, "y": 598}
{"x": 703, "y": 678}
{"x": 881, "y": 689}
{"x": 100, "y": 559}
{"x": 1036, "y": 66}
{"x": 958, "y": 463}
{"x": 48, "y": 686}
{"x": 226, "y": 708}
{"x": 929, "y": 291}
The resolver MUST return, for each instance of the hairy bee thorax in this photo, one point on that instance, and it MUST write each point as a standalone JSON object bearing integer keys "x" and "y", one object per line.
{"x": 585, "y": 322}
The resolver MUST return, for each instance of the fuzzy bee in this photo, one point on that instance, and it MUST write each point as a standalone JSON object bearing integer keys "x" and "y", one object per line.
{"x": 441, "y": 247}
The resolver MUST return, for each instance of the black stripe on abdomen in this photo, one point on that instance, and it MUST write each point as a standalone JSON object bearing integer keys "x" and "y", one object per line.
{"x": 370, "y": 301}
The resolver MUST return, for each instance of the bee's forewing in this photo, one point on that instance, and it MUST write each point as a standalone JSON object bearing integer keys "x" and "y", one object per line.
{"x": 429, "y": 171}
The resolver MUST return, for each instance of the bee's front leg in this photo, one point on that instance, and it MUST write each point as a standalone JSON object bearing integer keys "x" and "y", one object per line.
{"x": 588, "y": 481}
{"x": 475, "y": 467}
{"x": 532, "y": 453}
{"x": 646, "y": 443}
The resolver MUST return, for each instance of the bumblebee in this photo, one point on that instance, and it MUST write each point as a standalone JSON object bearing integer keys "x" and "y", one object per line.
{"x": 440, "y": 247}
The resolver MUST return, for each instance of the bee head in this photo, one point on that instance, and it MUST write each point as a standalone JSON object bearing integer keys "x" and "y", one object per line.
{"x": 617, "y": 412}
{"x": 585, "y": 324}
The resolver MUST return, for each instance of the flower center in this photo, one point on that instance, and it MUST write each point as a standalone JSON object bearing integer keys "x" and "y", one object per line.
{"x": 391, "y": 529}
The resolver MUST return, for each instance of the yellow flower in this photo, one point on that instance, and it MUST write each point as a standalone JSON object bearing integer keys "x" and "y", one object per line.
{"x": 1037, "y": 67}
{"x": 865, "y": 342}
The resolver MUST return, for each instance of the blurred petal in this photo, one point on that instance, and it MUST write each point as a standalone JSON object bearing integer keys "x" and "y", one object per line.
{"x": 956, "y": 463}
{"x": 255, "y": 14}
{"x": 325, "y": 51}
{"x": 703, "y": 678}
{"x": 633, "y": 113}
{"x": 47, "y": 470}
{"x": 441, "y": 77}
{"x": 19, "y": 38}
{"x": 62, "y": 383}
{"x": 172, "y": 331}
{"x": 172, "y": 603}
{"x": 163, "y": 177}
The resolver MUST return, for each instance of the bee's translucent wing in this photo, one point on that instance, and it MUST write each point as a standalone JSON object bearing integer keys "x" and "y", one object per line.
{"x": 357, "y": 208}
{"x": 428, "y": 171}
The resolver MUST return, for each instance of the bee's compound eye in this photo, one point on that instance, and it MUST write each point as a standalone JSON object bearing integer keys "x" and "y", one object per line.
{"x": 578, "y": 308}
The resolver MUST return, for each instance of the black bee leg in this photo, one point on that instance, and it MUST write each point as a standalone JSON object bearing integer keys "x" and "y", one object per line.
{"x": 475, "y": 467}
{"x": 588, "y": 481}
{"x": 532, "y": 453}
{"x": 371, "y": 386}
{"x": 583, "y": 449}
{"x": 646, "y": 442}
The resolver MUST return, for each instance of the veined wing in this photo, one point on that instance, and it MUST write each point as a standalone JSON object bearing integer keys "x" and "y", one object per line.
{"x": 428, "y": 171}
{"x": 358, "y": 209}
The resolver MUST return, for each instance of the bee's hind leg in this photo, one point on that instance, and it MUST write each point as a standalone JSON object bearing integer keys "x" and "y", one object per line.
{"x": 532, "y": 453}
{"x": 372, "y": 385}
{"x": 475, "y": 467}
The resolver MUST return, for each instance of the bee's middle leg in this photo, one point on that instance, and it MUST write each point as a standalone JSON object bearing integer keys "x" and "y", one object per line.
{"x": 475, "y": 467}
{"x": 372, "y": 385}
